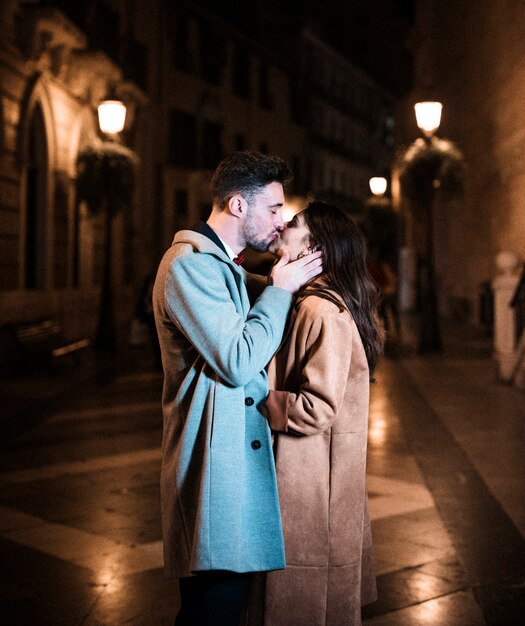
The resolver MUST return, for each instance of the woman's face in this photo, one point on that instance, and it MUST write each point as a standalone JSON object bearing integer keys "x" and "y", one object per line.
{"x": 295, "y": 237}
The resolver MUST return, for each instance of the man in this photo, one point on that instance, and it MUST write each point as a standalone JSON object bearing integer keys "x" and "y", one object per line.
{"x": 220, "y": 510}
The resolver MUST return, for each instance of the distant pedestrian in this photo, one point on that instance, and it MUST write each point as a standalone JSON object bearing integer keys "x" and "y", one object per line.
{"x": 144, "y": 314}
{"x": 386, "y": 281}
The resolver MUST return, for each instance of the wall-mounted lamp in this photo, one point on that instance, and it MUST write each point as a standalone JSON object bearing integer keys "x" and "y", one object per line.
{"x": 378, "y": 185}
{"x": 111, "y": 116}
{"x": 428, "y": 116}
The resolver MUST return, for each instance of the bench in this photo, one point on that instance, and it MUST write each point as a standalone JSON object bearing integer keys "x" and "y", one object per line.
{"x": 38, "y": 342}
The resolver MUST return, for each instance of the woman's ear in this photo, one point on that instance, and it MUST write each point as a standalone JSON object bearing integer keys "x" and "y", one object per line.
{"x": 306, "y": 251}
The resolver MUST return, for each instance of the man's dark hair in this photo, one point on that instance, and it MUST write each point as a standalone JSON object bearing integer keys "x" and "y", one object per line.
{"x": 246, "y": 173}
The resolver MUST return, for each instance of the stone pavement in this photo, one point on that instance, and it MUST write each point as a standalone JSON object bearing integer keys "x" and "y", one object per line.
{"x": 79, "y": 504}
{"x": 462, "y": 433}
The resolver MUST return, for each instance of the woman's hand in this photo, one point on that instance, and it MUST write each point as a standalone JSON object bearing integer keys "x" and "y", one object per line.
{"x": 292, "y": 275}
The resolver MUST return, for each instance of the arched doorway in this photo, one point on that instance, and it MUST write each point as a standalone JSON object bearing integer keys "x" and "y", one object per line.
{"x": 36, "y": 203}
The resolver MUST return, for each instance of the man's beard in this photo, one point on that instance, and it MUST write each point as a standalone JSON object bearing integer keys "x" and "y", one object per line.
{"x": 253, "y": 238}
{"x": 273, "y": 246}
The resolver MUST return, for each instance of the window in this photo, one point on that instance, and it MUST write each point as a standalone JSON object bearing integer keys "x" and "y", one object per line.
{"x": 298, "y": 102}
{"x": 298, "y": 178}
{"x": 211, "y": 146}
{"x": 212, "y": 55}
{"x": 181, "y": 202}
{"x": 204, "y": 210}
{"x": 239, "y": 142}
{"x": 134, "y": 61}
{"x": 102, "y": 28}
{"x": 265, "y": 98}
{"x": 241, "y": 72}
{"x": 182, "y": 149}
{"x": 181, "y": 42}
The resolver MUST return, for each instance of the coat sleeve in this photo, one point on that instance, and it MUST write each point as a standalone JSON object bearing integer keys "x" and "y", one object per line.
{"x": 313, "y": 407}
{"x": 200, "y": 302}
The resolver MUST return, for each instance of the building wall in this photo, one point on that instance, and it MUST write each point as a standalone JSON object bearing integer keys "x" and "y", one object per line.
{"x": 471, "y": 56}
{"x": 348, "y": 117}
{"x": 50, "y": 84}
{"x": 49, "y": 64}
{"x": 190, "y": 100}
{"x": 179, "y": 70}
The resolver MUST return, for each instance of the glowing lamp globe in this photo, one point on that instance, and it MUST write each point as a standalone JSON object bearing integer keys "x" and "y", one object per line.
{"x": 377, "y": 185}
{"x": 111, "y": 116}
{"x": 428, "y": 116}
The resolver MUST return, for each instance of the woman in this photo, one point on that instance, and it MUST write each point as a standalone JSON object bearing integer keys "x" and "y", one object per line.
{"x": 318, "y": 410}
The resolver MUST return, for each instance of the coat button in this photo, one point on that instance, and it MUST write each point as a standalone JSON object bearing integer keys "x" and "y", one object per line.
{"x": 256, "y": 444}
{"x": 248, "y": 401}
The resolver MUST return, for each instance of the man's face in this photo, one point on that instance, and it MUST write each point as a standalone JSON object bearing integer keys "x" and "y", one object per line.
{"x": 263, "y": 219}
{"x": 295, "y": 237}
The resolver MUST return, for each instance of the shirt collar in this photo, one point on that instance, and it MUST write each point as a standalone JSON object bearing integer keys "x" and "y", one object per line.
{"x": 229, "y": 251}
{"x": 202, "y": 227}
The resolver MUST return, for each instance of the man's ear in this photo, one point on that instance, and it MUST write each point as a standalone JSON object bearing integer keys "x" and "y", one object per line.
{"x": 237, "y": 205}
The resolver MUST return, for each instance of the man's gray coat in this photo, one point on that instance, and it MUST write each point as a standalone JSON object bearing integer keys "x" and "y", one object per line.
{"x": 220, "y": 507}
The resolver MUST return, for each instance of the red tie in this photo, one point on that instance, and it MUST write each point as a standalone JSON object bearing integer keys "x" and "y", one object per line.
{"x": 239, "y": 259}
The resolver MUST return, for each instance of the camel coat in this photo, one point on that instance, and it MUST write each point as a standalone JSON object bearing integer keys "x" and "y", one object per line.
{"x": 220, "y": 507}
{"x": 321, "y": 415}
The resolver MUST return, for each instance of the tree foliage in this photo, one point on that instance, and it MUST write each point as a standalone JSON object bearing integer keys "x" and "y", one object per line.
{"x": 428, "y": 165}
{"x": 106, "y": 176}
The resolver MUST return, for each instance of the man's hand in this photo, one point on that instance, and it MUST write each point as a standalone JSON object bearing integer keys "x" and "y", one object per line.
{"x": 293, "y": 275}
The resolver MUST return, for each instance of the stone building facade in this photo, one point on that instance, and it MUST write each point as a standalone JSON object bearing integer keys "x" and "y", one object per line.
{"x": 348, "y": 125}
{"x": 196, "y": 89}
{"x": 51, "y": 82}
{"x": 471, "y": 56}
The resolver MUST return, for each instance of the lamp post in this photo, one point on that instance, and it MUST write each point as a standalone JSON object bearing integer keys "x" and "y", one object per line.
{"x": 105, "y": 182}
{"x": 377, "y": 222}
{"x": 378, "y": 185}
{"x": 111, "y": 120}
{"x": 111, "y": 116}
{"x": 428, "y": 118}
{"x": 428, "y": 168}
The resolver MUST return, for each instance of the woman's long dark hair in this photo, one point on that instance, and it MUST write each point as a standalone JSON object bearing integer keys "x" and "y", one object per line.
{"x": 345, "y": 271}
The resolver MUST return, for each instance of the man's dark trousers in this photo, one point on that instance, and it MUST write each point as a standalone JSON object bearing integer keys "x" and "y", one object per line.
{"x": 213, "y": 598}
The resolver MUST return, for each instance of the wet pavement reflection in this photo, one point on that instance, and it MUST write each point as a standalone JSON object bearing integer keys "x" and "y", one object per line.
{"x": 80, "y": 512}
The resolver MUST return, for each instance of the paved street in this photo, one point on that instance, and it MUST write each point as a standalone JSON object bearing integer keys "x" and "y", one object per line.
{"x": 79, "y": 502}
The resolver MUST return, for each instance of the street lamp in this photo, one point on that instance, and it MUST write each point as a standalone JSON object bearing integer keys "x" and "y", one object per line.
{"x": 105, "y": 181}
{"x": 428, "y": 116}
{"x": 428, "y": 167}
{"x": 377, "y": 185}
{"x": 111, "y": 116}
{"x": 111, "y": 120}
